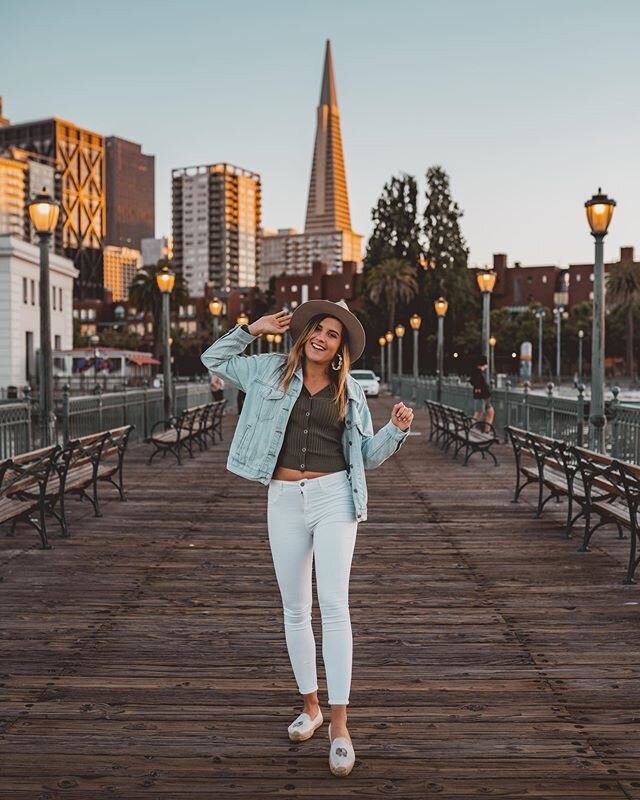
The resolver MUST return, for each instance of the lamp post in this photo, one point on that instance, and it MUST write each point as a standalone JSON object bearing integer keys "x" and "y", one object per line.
{"x": 441, "y": 307}
{"x": 557, "y": 312}
{"x": 382, "y": 342}
{"x": 486, "y": 279}
{"x": 580, "y": 341}
{"x": 166, "y": 280}
{"x": 94, "y": 341}
{"x": 400, "y": 331}
{"x": 389, "y": 338}
{"x": 540, "y": 314}
{"x": 44, "y": 212}
{"x": 270, "y": 338}
{"x": 492, "y": 360}
{"x": 415, "y": 321}
{"x": 599, "y": 213}
{"x": 215, "y": 308}
{"x": 277, "y": 338}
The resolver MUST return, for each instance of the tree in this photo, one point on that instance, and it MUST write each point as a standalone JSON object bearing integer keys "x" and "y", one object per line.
{"x": 393, "y": 281}
{"x": 445, "y": 264}
{"x": 623, "y": 289}
{"x": 145, "y": 296}
{"x": 396, "y": 229}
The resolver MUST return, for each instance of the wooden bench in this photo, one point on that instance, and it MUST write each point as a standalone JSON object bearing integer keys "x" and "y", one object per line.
{"x": 24, "y": 489}
{"x": 213, "y": 427}
{"x": 550, "y": 465}
{"x": 451, "y": 426}
{"x": 172, "y": 434}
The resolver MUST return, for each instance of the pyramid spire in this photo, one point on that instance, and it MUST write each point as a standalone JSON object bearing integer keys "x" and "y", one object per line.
{"x": 328, "y": 203}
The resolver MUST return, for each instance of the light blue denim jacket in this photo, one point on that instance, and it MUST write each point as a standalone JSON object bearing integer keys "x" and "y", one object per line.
{"x": 261, "y": 427}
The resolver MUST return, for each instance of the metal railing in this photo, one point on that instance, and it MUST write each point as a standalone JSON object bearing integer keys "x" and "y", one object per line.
{"x": 565, "y": 418}
{"x": 81, "y": 415}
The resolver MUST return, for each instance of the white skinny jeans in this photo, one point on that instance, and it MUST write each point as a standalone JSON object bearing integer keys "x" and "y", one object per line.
{"x": 314, "y": 520}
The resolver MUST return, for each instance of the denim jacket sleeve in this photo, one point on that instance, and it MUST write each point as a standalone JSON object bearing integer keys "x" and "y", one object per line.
{"x": 378, "y": 447}
{"x": 223, "y": 358}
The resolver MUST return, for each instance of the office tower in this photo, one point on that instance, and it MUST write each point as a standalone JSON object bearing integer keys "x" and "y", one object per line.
{"x": 154, "y": 250}
{"x": 78, "y": 157}
{"x": 216, "y": 224}
{"x": 120, "y": 267}
{"x": 130, "y": 186}
{"x": 327, "y": 234}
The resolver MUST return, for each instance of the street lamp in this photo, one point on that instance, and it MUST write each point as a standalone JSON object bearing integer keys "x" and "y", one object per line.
{"x": 382, "y": 342}
{"x": 215, "y": 308}
{"x": 243, "y": 319}
{"x": 166, "y": 280}
{"x": 486, "y": 279}
{"x": 540, "y": 314}
{"x": 277, "y": 338}
{"x": 389, "y": 338}
{"x": 415, "y": 321}
{"x": 599, "y": 213}
{"x": 580, "y": 341}
{"x": 44, "y": 212}
{"x": 492, "y": 360}
{"x": 400, "y": 331}
{"x": 558, "y": 314}
{"x": 270, "y": 338}
{"x": 441, "y": 307}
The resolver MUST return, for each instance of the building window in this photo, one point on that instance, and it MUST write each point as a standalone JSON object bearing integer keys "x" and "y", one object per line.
{"x": 591, "y": 277}
{"x": 57, "y": 343}
{"x": 53, "y": 292}
{"x": 544, "y": 278}
{"x": 590, "y": 295}
{"x": 33, "y": 293}
{"x": 294, "y": 288}
{"x": 25, "y": 298}
{"x": 578, "y": 278}
{"x": 60, "y": 299}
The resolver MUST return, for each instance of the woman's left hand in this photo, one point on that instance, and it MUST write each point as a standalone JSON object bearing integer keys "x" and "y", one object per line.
{"x": 402, "y": 416}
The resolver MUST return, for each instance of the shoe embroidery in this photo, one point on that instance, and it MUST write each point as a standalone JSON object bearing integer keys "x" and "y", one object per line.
{"x": 341, "y": 751}
{"x": 298, "y": 723}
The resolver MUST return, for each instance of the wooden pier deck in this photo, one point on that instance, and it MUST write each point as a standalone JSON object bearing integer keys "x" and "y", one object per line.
{"x": 144, "y": 657}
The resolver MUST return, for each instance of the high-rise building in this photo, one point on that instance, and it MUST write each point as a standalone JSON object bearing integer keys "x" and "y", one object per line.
{"x": 216, "y": 225}
{"x": 12, "y": 196}
{"x": 78, "y": 157}
{"x": 154, "y": 250}
{"x": 130, "y": 186}
{"x": 327, "y": 234}
{"x": 120, "y": 267}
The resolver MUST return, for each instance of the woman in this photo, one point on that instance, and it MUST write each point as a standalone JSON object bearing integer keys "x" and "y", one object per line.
{"x": 305, "y": 431}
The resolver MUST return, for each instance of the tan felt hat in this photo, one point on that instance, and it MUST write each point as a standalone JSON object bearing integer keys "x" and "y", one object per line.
{"x": 313, "y": 308}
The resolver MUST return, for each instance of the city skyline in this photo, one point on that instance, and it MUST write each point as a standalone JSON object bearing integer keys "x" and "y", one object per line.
{"x": 527, "y": 110}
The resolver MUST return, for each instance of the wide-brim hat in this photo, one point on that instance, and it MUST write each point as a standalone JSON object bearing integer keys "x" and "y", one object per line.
{"x": 325, "y": 308}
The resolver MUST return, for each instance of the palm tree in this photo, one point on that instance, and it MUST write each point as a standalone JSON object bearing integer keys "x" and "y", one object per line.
{"x": 395, "y": 281}
{"x": 146, "y": 297}
{"x": 623, "y": 288}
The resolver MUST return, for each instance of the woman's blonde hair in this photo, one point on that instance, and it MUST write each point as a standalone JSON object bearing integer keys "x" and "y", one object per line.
{"x": 337, "y": 378}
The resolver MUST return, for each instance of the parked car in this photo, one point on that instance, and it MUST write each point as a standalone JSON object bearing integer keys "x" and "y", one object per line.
{"x": 369, "y": 381}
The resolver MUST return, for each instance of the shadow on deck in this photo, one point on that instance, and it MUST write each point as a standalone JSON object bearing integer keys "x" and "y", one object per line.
{"x": 145, "y": 657}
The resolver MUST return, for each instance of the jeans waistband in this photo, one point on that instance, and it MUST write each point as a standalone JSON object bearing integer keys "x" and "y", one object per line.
{"x": 333, "y": 480}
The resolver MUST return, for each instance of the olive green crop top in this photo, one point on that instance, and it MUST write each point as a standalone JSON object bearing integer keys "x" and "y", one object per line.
{"x": 313, "y": 438}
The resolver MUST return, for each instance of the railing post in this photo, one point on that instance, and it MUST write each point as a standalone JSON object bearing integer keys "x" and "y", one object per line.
{"x": 145, "y": 408}
{"x": 615, "y": 426}
{"x": 66, "y": 389}
{"x": 100, "y": 416}
{"x": 525, "y": 403}
{"x": 26, "y": 392}
{"x": 124, "y": 403}
{"x": 507, "y": 408}
{"x": 550, "y": 420}
{"x": 580, "y": 419}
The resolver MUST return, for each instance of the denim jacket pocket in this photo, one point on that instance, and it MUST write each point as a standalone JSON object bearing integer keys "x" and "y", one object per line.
{"x": 270, "y": 399}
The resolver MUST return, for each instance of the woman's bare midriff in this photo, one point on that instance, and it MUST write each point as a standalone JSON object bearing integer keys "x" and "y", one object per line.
{"x": 286, "y": 474}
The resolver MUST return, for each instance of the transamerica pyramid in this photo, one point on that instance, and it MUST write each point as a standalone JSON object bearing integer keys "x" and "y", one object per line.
{"x": 328, "y": 203}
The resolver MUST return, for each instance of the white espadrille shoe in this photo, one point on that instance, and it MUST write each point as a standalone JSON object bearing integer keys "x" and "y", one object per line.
{"x": 342, "y": 756}
{"x": 303, "y": 727}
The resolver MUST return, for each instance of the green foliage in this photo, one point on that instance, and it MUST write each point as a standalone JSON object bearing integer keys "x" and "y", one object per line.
{"x": 396, "y": 229}
{"x": 623, "y": 291}
{"x": 393, "y": 281}
{"x": 145, "y": 296}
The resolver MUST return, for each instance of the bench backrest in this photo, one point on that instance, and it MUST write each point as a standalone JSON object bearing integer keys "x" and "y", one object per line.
{"x": 600, "y": 475}
{"x": 115, "y": 443}
{"x": 28, "y": 472}
{"x": 79, "y": 453}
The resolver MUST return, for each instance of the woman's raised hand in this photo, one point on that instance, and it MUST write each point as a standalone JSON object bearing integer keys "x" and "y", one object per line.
{"x": 271, "y": 323}
{"x": 402, "y": 416}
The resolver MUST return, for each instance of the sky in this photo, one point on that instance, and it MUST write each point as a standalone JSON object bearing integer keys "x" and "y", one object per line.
{"x": 529, "y": 107}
